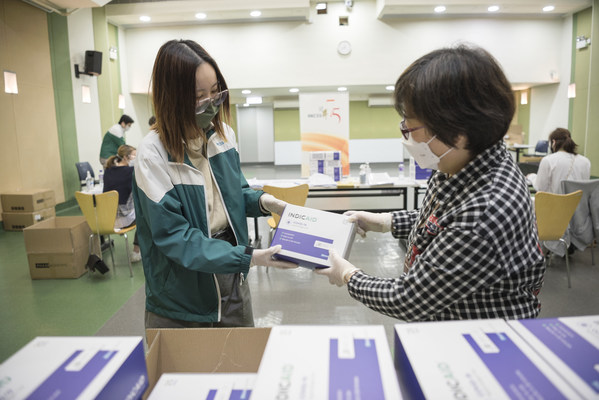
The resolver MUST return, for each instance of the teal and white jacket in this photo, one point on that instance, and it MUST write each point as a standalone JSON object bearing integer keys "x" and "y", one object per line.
{"x": 179, "y": 257}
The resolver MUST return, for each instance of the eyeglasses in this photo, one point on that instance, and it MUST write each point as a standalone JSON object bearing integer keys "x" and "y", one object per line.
{"x": 405, "y": 131}
{"x": 217, "y": 100}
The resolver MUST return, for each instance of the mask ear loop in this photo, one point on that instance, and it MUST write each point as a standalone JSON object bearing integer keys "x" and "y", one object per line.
{"x": 442, "y": 155}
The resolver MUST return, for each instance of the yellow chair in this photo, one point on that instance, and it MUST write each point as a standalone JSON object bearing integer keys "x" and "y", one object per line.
{"x": 295, "y": 195}
{"x": 100, "y": 212}
{"x": 554, "y": 212}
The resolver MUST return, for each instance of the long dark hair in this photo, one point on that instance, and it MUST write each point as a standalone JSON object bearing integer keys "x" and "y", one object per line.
{"x": 458, "y": 91}
{"x": 174, "y": 95}
{"x": 563, "y": 141}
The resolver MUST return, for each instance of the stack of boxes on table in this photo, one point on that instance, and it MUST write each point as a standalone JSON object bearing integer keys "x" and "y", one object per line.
{"x": 526, "y": 359}
{"x": 57, "y": 247}
{"x": 327, "y": 163}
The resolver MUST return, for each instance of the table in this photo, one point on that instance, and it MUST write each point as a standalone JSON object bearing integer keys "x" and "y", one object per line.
{"x": 519, "y": 147}
{"x": 348, "y": 195}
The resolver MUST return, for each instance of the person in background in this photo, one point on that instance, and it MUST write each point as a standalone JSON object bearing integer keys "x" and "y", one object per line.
{"x": 473, "y": 248}
{"x": 192, "y": 200}
{"x": 114, "y": 137}
{"x": 119, "y": 176}
{"x": 152, "y": 121}
{"x": 563, "y": 164}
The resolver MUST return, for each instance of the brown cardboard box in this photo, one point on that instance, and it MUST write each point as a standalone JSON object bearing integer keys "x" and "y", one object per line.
{"x": 21, "y": 220}
{"x": 57, "y": 247}
{"x": 28, "y": 200}
{"x": 203, "y": 350}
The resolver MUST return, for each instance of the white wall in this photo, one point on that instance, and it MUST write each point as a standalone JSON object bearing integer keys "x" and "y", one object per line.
{"x": 87, "y": 116}
{"x": 255, "y": 134}
{"x": 286, "y": 54}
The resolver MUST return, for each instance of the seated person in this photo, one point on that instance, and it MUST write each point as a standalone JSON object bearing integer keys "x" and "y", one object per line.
{"x": 118, "y": 176}
{"x": 473, "y": 249}
{"x": 563, "y": 164}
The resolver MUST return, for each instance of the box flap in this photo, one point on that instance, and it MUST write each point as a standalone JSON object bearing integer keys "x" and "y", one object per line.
{"x": 205, "y": 350}
{"x": 57, "y": 235}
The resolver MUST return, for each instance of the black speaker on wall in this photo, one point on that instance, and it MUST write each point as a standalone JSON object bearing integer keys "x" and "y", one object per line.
{"x": 93, "y": 62}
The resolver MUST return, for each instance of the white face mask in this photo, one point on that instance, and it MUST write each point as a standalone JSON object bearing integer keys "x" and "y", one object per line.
{"x": 423, "y": 154}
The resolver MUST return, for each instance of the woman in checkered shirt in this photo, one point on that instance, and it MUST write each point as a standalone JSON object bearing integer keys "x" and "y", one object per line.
{"x": 473, "y": 248}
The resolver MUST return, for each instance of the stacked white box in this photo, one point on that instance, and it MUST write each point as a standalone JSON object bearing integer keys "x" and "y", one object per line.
{"x": 326, "y": 362}
{"x": 570, "y": 345}
{"x": 306, "y": 235}
{"x": 76, "y": 368}
{"x": 478, "y": 359}
{"x": 327, "y": 163}
{"x": 182, "y": 386}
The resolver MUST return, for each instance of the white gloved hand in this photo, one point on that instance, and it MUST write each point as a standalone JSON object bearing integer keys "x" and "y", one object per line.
{"x": 272, "y": 204}
{"x": 340, "y": 267}
{"x": 367, "y": 221}
{"x": 264, "y": 257}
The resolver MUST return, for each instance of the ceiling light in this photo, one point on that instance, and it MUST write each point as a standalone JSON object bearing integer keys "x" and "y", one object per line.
{"x": 246, "y": 91}
{"x": 256, "y": 13}
{"x": 548, "y": 8}
{"x": 524, "y": 98}
{"x": 145, "y": 18}
{"x": 440, "y": 9}
{"x": 493, "y": 8}
{"x": 254, "y": 100}
{"x": 342, "y": 89}
{"x": 293, "y": 90}
{"x": 390, "y": 87}
{"x": 201, "y": 16}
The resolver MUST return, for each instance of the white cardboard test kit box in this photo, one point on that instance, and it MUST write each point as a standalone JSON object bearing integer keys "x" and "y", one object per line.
{"x": 76, "y": 368}
{"x": 570, "y": 345}
{"x": 326, "y": 362}
{"x": 306, "y": 235}
{"x": 189, "y": 386}
{"x": 478, "y": 359}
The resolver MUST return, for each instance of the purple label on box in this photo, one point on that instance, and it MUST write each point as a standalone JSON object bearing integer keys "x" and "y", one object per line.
{"x": 336, "y": 155}
{"x": 337, "y": 172}
{"x": 301, "y": 243}
{"x": 357, "y": 377}
{"x": 514, "y": 371}
{"x": 67, "y": 384}
{"x": 236, "y": 394}
{"x": 575, "y": 351}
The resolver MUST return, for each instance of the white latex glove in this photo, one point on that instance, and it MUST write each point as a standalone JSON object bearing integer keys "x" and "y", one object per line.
{"x": 367, "y": 221}
{"x": 272, "y": 204}
{"x": 338, "y": 270}
{"x": 264, "y": 257}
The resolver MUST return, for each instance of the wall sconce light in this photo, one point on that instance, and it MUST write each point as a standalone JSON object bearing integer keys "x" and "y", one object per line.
{"x": 121, "y": 102}
{"x": 571, "y": 90}
{"x": 86, "y": 96}
{"x": 321, "y": 8}
{"x": 10, "y": 82}
{"x": 582, "y": 42}
{"x": 524, "y": 98}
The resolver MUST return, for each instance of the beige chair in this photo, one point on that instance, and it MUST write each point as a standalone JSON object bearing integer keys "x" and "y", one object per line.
{"x": 100, "y": 212}
{"x": 554, "y": 212}
{"x": 295, "y": 195}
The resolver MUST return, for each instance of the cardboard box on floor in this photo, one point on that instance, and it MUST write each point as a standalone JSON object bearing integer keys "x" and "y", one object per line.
{"x": 17, "y": 221}
{"x": 203, "y": 350}
{"x": 57, "y": 247}
{"x": 27, "y": 200}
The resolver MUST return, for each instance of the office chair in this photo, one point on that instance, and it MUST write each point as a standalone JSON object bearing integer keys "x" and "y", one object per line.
{"x": 554, "y": 212}
{"x": 295, "y": 195}
{"x": 100, "y": 212}
{"x": 82, "y": 168}
{"x": 584, "y": 225}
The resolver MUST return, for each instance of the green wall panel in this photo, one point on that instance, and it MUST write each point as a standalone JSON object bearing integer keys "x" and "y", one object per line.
{"x": 63, "y": 98}
{"x": 287, "y": 125}
{"x": 372, "y": 122}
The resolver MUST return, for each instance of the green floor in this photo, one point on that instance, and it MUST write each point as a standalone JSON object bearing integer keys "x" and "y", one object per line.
{"x": 58, "y": 307}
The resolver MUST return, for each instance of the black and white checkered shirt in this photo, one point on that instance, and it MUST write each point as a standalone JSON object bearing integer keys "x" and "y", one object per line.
{"x": 473, "y": 249}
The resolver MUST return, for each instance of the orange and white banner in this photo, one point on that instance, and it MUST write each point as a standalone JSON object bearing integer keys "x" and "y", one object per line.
{"x": 324, "y": 126}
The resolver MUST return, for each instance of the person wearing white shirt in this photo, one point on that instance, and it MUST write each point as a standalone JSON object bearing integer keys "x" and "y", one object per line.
{"x": 563, "y": 164}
